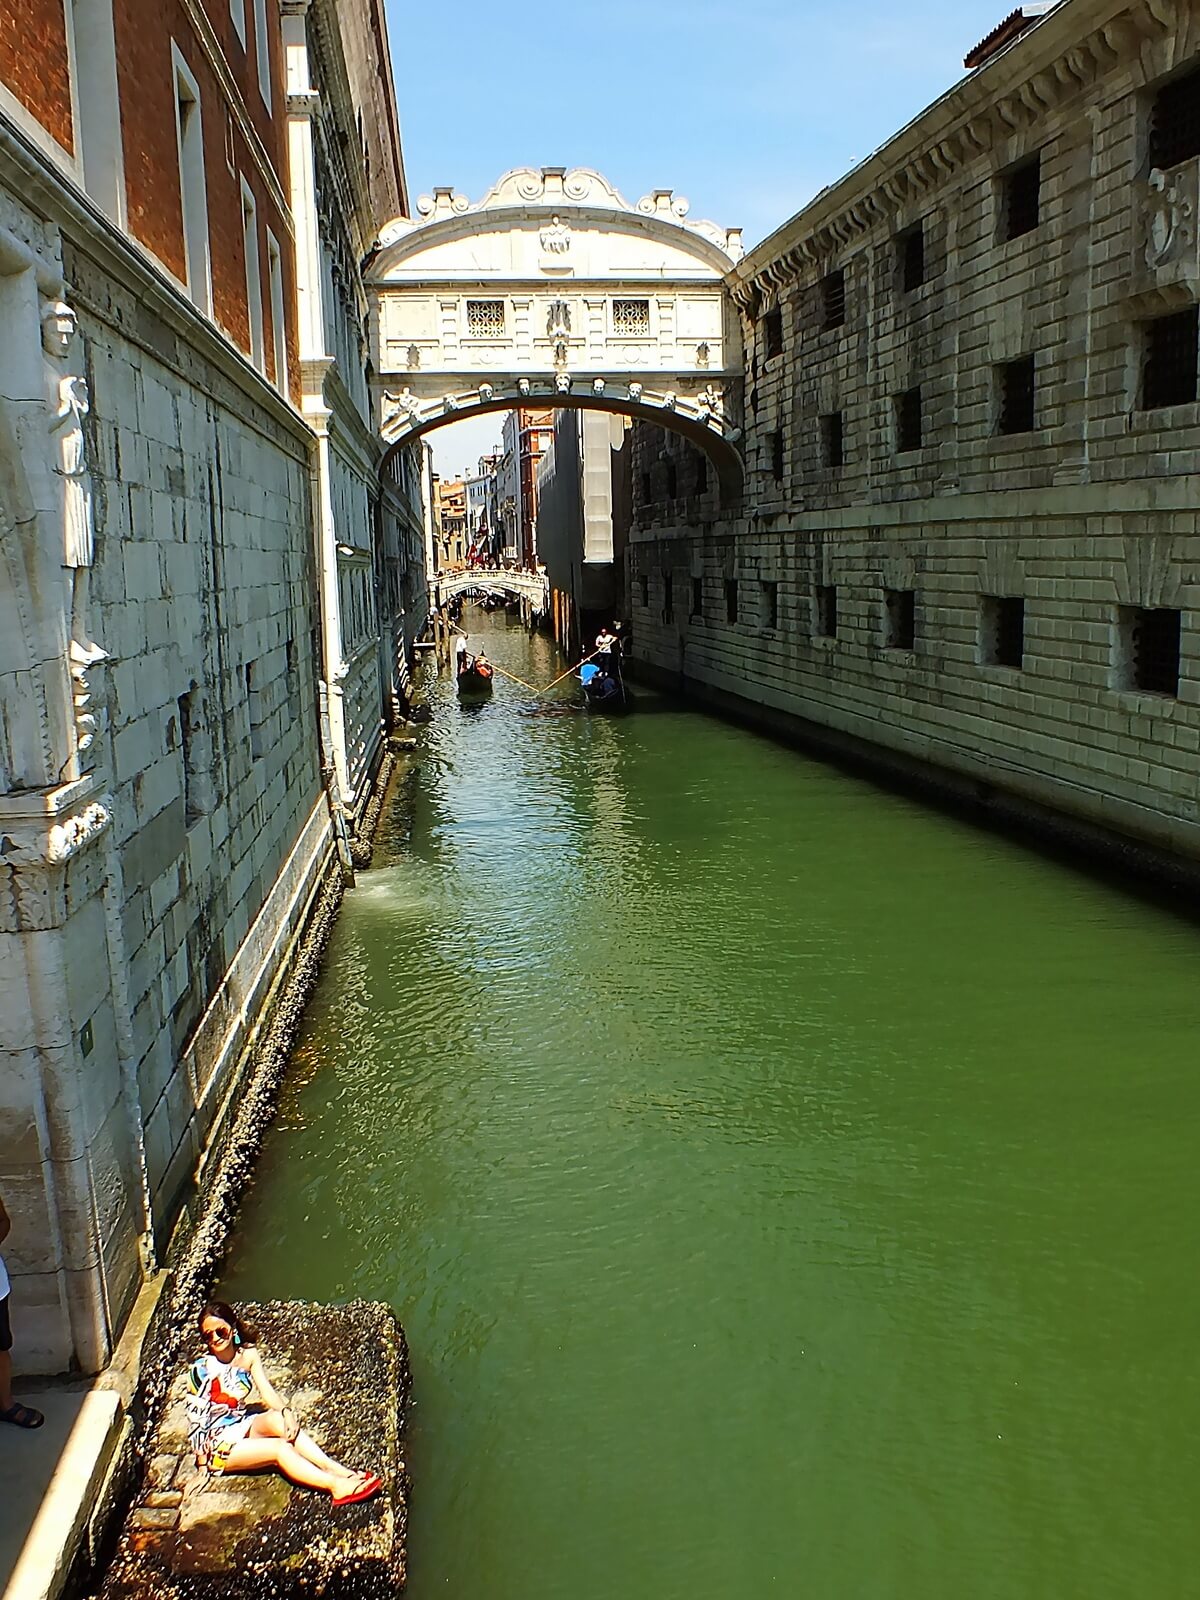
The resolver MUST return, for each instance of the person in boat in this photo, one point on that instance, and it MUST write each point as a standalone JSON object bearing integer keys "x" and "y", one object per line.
{"x": 238, "y": 1423}
{"x": 604, "y": 649}
{"x": 461, "y": 654}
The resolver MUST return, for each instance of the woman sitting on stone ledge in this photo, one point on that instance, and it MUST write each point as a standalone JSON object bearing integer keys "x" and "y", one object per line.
{"x": 231, "y": 1433}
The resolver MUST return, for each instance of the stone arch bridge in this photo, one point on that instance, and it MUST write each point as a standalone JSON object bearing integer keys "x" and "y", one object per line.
{"x": 554, "y": 291}
{"x": 501, "y": 582}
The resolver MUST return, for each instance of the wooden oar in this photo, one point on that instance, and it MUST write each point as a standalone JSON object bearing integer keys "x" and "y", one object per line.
{"x": 570, "y": 670}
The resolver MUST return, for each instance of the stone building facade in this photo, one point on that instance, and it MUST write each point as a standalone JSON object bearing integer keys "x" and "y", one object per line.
{"x": 970, "y": 540}
{"x": 583, "y": 523}
{"x": 165, "y": 766}
{"x": 346, "y": 175}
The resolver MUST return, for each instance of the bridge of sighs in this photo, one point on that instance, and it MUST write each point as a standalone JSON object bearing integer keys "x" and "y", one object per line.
{"x": 554, "y": 291}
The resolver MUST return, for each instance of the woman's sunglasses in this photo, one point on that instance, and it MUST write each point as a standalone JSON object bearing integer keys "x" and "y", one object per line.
{"x": 221, "y": 1332}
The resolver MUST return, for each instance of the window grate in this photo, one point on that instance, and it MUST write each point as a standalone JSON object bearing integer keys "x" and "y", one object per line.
{"x": 1022, "y": 198}
{"x": 1175, "y": 121}
{"x": 731, "y": 600}
{"x": 697, "y": 597}
{"x": 644, "y": 585}
{"x": 833, "y": 440}
{"x": 776, "y": 443}
{"x": 827, "y": 610}
{"x": 701, "y": 472}
{"x": 1003, "y": 619}
{"x": 631, "y": 319}
{"x": 485, "y": 319}
{"x": 672, "y": 476}
{"x": 912, "y": 258}
{"x": 901, "y": 614}
{"x": 1017, "y": 390}
{"x": 668, "y": 612}
{"x": 1152, "y": 649}
{"x": 1169, "y": 372}
{"x": 833, "y": 299}
{"x": 773, "y": 332}
{"x": 770, "y": 603}
{"x": 908, "y": 420}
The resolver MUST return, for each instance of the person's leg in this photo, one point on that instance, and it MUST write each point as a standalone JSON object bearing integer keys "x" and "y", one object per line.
{"x": 6, "y": 1398}
{"x": 251, "y": 1453}
{"x": 20, "y": 1416}
{"x": 270, "y": 1425}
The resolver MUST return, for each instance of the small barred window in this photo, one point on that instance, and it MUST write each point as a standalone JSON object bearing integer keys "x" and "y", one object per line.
{"x": 631, "y": 318}
{"x": 1175, "y": 121}
{"x": 485, "y": 319}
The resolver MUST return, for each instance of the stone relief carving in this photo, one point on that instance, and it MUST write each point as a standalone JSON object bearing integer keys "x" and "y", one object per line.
{"x": 555, "y": 237}
{"x": 1170, "y": 220}
{"x": 523, "y": 387}
{"x": 414, "y": 358}
{"x": 598, "y": 386}
{"x": 398, "y": 408}
{"x": 635, "y": 391}
{"x": 711, "y": 400}
{"x": 563, "y": 383}
{"x": 486, "y": 392}
{"x": 702, "y": 353}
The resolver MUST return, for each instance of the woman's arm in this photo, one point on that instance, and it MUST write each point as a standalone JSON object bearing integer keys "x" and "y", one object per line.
{"x": 261, "y": 1382}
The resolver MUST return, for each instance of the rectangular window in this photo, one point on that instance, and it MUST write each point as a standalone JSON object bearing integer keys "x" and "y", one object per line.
{"x": 96, "y": 104}
{"x": 237, "y": 10}
{"x": 827, "y": 610}
{"x": 485, "y": 319}
{"x": 1170, "y": 359}
{"x": 770, "y": 603}
{"x": 1002, "y": 630}
{"x": 645, "y": 586}
{"x": 278, "y": 313}
{"x": 731, "y": 600}
{"x": 775, "y": 441}
{"x": 262, "y": 50}
{"x": 701, "y": 472}
{"x": 631, "y": 319}
{"x": 1015, "y": 393}
{"x": 255, "y": 709}
{"x": 773, "y": 332}
{"x": 697, "y": 597}
{"x": 1150, "y": 649}
{"x": 647, "y": 488}
{"x": 900, "y": 611}
{"x": 833, "y": 440}
{"x": 193, "y": 192}
{"x": 671, "y": 473}
{"x": 192, "y": 810}
{"x": 910, "y": 250}
{"x": 1021, "y": 198}
{"x": 1175, "y": 121}
{"x": 254, "y": 304}
{"x": 668, "y": 611}
{"x": 908, "y": 420}
{"x": 833, "y": 299}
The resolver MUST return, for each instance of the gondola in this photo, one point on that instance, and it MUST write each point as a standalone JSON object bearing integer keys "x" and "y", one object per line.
{"x": 604, "y": 690}
{"x": 475, "y": 678}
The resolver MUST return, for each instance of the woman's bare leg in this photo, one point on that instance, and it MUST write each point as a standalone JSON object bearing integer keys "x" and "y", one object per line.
{"x": 270, "y": 1425}
{"x": 250, "y": 1453}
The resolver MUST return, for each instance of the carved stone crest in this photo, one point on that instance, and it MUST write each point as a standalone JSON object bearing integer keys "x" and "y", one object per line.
{"x": 555, "y": 237}
{"x": 1171, "y": 220}
{"x": 563, "y": 383}
{"x": 702, "y": 353}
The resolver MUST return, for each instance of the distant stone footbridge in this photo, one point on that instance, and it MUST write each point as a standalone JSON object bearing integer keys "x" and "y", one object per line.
{"x": 498, "y": 581}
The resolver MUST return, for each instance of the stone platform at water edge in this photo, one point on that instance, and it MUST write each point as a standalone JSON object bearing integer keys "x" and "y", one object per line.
{"x": 345, "y": 1371}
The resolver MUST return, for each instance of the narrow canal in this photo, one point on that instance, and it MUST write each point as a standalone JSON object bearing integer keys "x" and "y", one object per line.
{"x": 786, "y": 1189}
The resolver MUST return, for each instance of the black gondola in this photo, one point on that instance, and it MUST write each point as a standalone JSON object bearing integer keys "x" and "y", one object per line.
{"x": 603, "y": 687}
{"x": 475, "y": 677}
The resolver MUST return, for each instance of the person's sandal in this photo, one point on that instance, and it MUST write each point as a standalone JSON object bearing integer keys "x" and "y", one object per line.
{"x": 367, "y": 1490}
{"x": 22, "y": 1416}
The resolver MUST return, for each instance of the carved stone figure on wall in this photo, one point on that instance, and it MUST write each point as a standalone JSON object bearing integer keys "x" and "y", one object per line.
{"x": 397, "y": 409}
{"x": 69, "y": 404}
{"x": 555, "y": 237}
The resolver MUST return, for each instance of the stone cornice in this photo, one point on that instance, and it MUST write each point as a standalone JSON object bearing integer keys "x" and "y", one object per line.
{"x": 215, "y": 56}
{"x": 1047, "y": 66}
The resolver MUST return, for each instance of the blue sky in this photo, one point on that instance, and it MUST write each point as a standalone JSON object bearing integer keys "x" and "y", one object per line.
{"x": 748, "y": 108}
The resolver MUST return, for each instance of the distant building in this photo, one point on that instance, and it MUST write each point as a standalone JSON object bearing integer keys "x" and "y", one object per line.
{"x": 583, "y": 521}
{"x": 450, "y": 522}
{"x": 527, "y": 435}
{"x": 481, "y": 507}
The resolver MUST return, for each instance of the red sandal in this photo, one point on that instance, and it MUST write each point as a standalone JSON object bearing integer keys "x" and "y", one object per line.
{"x": 366, "y": 1490}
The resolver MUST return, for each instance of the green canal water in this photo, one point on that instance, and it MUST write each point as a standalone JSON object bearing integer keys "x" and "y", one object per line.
{"x": 786, "y": 1189}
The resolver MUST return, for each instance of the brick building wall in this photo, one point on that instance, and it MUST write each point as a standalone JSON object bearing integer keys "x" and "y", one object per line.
{"x": 34, "y": 66}
{"x": 969, "y": 535}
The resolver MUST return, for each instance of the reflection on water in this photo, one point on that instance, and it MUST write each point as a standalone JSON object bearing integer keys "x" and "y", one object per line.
{"x": 785, "y": 1189}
